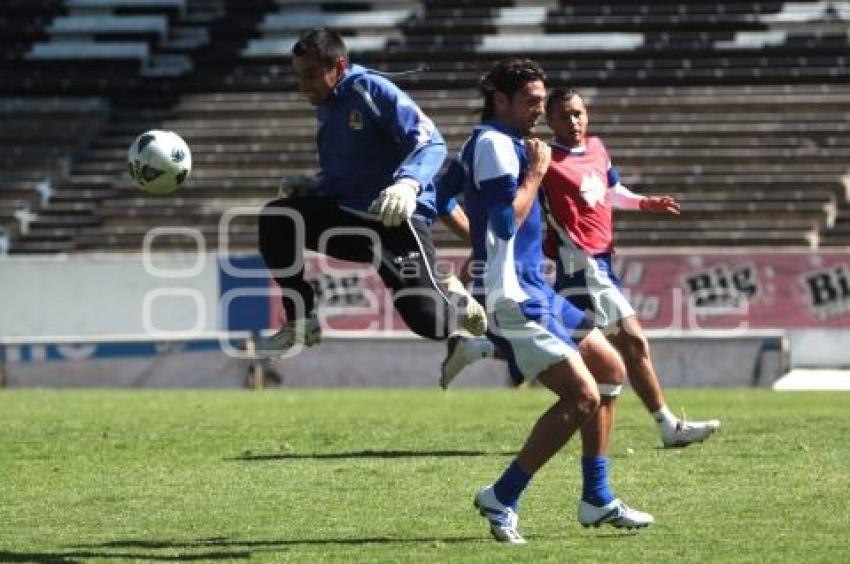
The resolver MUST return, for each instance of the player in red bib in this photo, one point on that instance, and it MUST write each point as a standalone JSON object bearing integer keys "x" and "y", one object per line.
{"x": 581, "y": 191}
{"x": 584, "y": 187}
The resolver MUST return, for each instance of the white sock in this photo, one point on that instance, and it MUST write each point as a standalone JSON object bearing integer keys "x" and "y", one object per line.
{"x": 665, "y": 419}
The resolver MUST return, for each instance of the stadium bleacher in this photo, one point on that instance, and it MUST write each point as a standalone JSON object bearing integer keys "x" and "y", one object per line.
{"x": 42, "y": 139}
{"x": 737, "y": 108}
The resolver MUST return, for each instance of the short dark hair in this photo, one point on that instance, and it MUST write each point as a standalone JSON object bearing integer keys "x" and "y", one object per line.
{"x": 561, "y": 95}
{"x": 507, "y": 76}
{"x": 321, "y": 43}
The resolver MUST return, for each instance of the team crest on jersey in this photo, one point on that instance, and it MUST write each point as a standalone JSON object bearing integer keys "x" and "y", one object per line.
{"x": 355, "y": 120}
{"x": 592, "y": 189}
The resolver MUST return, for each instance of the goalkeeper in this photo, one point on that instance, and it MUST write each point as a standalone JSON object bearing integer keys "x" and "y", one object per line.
{"x": 373, "y": 200}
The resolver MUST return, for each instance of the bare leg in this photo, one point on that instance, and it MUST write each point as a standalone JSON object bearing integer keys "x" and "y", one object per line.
{"x": 630, "y": 340}
{"x": 578, "y": 399}
{"x": 598, "y": 504}
{"x": 596, "y": 433}
{"x": 577, "y": 407}
{"x": 631, "y": 343}
{"x": 609, "y": 372}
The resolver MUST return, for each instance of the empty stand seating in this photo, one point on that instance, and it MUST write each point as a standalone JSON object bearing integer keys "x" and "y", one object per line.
{"x": 41, "y": 138}
{"x": 101, "y": 46}
{"x": 23, "y": 22}
{"x": 367, "y": 26}
{"x": 739, "y": 109}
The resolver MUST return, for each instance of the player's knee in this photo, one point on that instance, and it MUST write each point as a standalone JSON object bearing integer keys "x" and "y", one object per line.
{"x": 273, "y": 226}
{"x": 603, "y": 361}
{"x": 613, "y": 371}
{"x": 427, "y": 327}
{"x": 272, "y": 212}
{"x": 425, "y": 317}
{"x": 268, "y": 218}
{"x": 587, "y": 401}
{"x": 270, "y": 207}
{"x": 637, "y": 346}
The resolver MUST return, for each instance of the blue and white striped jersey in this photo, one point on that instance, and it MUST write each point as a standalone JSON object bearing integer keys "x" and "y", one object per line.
{"x": 495, "y": 159}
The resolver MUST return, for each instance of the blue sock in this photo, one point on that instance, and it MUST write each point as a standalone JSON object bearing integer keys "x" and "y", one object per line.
{"x": 594, "y": 470}
{"x": 510, "y": 486}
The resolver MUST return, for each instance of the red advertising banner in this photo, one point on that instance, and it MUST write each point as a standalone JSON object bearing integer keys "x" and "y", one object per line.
{"x": 670, "y": 291}
{"x": 738, "y": 290}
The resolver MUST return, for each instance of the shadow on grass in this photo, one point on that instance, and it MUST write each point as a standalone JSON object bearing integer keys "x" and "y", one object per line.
{"x": 82, "y": 556}
{"x": 378, "y": 454}
{"x": 227, "y": 549}
{"x": 618, "y": 534}
{"x": 218, "y": 548}
{"x": 224, "y": 542}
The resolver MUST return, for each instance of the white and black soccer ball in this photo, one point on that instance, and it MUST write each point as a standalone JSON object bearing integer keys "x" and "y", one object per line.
{"x": 159, "y": 161}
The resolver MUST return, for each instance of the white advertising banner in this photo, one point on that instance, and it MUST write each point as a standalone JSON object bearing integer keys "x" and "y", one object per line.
{"x": 100, "y": 294}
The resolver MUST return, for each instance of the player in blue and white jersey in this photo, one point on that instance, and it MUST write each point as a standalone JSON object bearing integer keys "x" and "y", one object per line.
{"x": 580, "y": 240}
{"x": 544, "y": 337}
{"x": 372, "y": 201}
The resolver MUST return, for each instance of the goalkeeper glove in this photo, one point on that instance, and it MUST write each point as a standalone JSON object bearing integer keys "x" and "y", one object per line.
{"x": 296, "y": 185}
{"x": 395, "y": 204}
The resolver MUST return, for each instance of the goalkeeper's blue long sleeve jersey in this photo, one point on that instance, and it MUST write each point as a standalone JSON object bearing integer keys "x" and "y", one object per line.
{"x": 370, "y": 135}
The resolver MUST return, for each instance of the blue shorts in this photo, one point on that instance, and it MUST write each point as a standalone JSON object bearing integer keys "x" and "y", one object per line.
{"x": 590, "y": 284}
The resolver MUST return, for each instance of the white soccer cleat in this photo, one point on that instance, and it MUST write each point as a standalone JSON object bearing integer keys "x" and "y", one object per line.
{"x": 473, "y": 316}
{"x": 503, "y": 519}
{"x": 615, "y": 513}
{"x": 461, "y": 351}
{"x": 688, "y": 432}
{"x": 307, "y": 332}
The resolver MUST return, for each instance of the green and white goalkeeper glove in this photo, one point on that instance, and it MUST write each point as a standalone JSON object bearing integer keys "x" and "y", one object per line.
{"x": 395, "y": 204}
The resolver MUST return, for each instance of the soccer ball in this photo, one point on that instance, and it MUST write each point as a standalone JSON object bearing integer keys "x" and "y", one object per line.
{"x": 159, "y": 161}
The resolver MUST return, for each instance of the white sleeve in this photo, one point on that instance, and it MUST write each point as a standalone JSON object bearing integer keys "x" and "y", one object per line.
{"x": 624, "y": 199}
{"x": 494, "y": 157}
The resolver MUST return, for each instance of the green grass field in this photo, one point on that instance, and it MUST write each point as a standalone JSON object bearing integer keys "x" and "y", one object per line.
{"x": 382, "y": 476}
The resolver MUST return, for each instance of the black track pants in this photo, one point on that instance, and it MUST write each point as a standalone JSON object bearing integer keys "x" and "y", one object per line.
{"x": 405, "y": 254}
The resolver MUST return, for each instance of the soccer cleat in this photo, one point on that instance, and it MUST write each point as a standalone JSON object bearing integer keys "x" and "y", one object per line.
{"x": 503, "y": 519}
{"x": 307, "y": 332}
{"x": 461, "y": 351}
{"x": 615, "y": 513}
{"x": 687, "y": 432}
{"x": 473, "y": 316}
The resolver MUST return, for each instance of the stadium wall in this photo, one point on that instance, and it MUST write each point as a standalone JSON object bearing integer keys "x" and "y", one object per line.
{"x": 757, "y": 359}
{"x": 103, "y": 294}
{"x": 176, "y": 295}
{"x": 138, "y": 320}
{"x": 708, "y": 360}
{"x": 127, "y": 362}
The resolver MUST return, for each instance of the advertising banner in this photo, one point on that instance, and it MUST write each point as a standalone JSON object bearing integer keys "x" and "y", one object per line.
{"x": 769, "y": 290}
{"x": 679, "y": 291}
